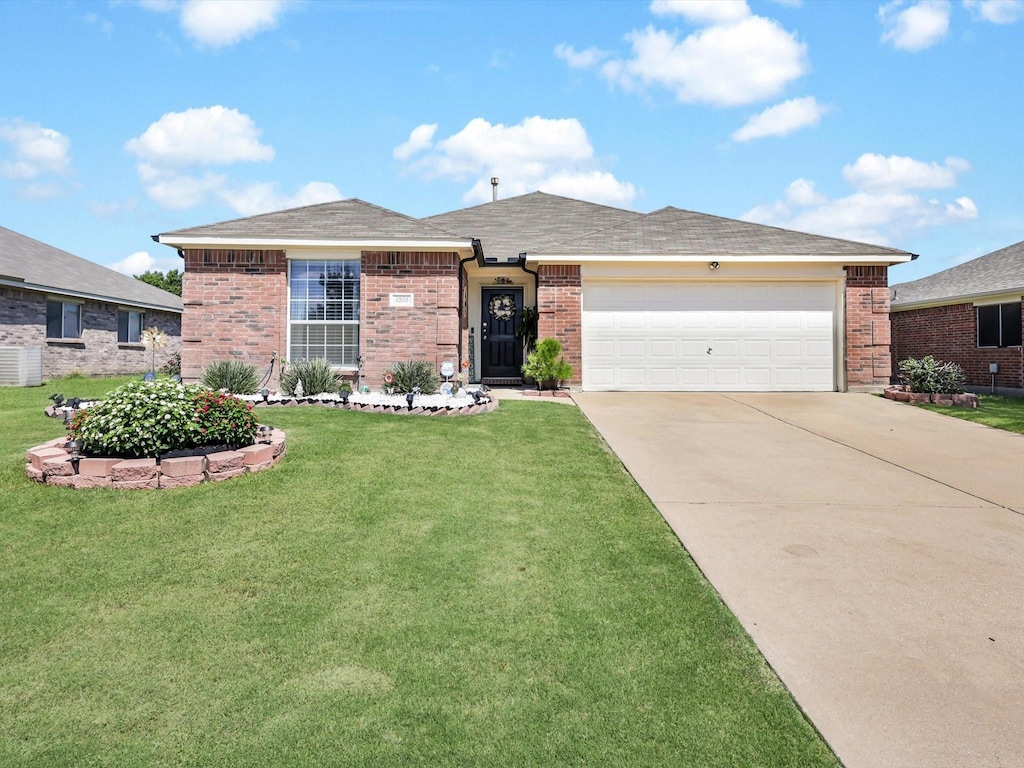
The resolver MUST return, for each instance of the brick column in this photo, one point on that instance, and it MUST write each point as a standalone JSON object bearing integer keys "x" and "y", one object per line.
{"x": 868, "y": 359}
{"x": 559, "y": 312}
{"x": 234, "y": 309}
{"x": 428, "y": 330}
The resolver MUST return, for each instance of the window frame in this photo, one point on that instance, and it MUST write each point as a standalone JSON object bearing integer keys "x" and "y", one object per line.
{"x": 64, "y": 305}
{"x": 128, "y": 312}
{"x": 1005, "y": 326}
{"x": 347, "y": 305}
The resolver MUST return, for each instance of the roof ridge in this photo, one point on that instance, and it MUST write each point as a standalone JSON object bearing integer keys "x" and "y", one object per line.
{"x": 534, "y": 193}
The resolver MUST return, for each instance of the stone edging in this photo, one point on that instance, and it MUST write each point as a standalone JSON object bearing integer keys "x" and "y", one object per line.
{"x": 903, "y": 394}
{"x": 51, "y": 464}
{"x": 401, "y": 410}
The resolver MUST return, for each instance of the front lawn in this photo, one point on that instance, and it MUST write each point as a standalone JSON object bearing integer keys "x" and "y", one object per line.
{"x": 489, "y": 590}
{"x": 993, "y": 411}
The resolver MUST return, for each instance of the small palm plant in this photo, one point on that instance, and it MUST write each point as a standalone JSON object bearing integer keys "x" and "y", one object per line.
{"x": 546, "y": 365}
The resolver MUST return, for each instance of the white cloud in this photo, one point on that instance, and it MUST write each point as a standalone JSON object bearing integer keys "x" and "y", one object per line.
{"x": 996, "y": 11}
{"x": 222, "y": 23}
{"x": 584, "y": 59}
{"x": 208, "y": 135}
{"x": 141, "y": 261}
{"x": 263, "y": 197}
{"x": 35, "y": 150}
{"x": 881, "y": 211}
{"x": 782, "y": 119}
{"x": 877, "y": 173}
{"x": 724, "y": 65}
{"x": 111, "y": 210}
{"x": 702, "y": 11}
{"x": 537, "y": 154}
{"x": 915, "y": 27}
{"x": 177, "y": 191}
{"x": 421, "y": 138}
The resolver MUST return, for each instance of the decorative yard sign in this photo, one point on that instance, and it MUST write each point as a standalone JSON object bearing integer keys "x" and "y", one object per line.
{"x": 400, "y": 300}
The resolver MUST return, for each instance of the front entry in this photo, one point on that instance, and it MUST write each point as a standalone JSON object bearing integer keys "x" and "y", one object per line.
{"x": 501, "y": 353}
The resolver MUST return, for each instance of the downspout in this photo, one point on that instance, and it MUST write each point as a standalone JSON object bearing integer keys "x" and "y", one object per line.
{"x": 536, "y": 279}
{"x": 478, "y": 254}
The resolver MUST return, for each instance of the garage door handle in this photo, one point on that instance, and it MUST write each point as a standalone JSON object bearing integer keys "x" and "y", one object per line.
{"x": 709, "y": 350}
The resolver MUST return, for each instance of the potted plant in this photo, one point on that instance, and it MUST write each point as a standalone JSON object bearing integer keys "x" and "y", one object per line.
{"x": 546, "y": 364}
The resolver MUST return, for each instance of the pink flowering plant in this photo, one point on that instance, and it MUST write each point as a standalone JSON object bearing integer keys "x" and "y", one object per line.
{"x": 148, "y": 418}
{"x": 222, "y": 419}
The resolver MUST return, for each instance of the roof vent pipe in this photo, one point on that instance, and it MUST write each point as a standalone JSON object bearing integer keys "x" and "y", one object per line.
{"x": 494, "y": 189}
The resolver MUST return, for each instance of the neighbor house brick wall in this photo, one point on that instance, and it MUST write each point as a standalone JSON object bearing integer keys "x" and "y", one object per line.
{"x": 235, "y": 309}
{"x": 559, "y": 312}
{"x": 428, "y": 330}
{"x": 949, "y": 333}
{"x": 868, "y": 358}
{"x": 98, "y": 352}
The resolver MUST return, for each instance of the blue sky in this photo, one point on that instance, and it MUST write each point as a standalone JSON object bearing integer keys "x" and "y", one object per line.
{"x": 896, "y": 123}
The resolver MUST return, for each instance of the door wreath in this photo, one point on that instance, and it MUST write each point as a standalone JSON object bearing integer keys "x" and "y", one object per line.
{"x": 502, "y": 307}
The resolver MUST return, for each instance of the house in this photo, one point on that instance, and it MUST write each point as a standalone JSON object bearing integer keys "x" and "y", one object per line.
{"x": 669, "y": 300}
{"x": 60, "y": 313}
{"x": 969, "y": 314}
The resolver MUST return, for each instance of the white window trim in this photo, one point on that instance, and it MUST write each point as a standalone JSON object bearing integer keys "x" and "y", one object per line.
{"x": 355, "y": 256}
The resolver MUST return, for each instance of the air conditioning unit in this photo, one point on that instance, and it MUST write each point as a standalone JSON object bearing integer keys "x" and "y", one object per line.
{"x": 21, "y": 366}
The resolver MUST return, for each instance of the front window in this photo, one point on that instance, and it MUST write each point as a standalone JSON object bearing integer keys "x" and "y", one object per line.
{"x": 129, "y": 326}
{"x": 63, "y": 320}
{"x": 999, "y": 325}
{"x": 324, "y": 310}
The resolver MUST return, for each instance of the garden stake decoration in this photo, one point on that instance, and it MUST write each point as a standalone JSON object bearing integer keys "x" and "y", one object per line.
{"x": 153, "y": 339}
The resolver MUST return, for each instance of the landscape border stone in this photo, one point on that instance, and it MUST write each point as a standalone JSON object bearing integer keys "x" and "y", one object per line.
{"x": 902, "y": 393}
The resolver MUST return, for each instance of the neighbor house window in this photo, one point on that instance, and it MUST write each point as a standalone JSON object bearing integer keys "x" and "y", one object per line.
{"x": 999, "y": 325}
{"x": 63, "y": 320}
{"x": 129, "y": 326}
{"x": 323, "y": 315}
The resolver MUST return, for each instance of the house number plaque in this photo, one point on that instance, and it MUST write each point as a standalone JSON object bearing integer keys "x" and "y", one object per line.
{"x": 400, "y": 300}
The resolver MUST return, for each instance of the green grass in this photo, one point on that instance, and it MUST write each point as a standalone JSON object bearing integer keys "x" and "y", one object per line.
{"x": 993, "y": 411}
{"x": 489, "y": 590}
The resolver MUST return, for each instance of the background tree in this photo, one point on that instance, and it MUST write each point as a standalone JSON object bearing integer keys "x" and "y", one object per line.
{"x": 171, "y": 281}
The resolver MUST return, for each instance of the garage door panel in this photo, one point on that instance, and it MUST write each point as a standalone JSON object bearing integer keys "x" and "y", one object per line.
{"x": 762, "y": 336}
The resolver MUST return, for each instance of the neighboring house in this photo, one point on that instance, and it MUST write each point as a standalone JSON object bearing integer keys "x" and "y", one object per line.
{"x": 969, "y": 314}
{"x": 60, "y": 314}
{"x": 670, "y": 300}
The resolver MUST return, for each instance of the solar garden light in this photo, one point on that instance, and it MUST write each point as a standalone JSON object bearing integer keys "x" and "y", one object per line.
{"x": 57, "y": 399}
{"x": 266, "y": 393}
{"x": 344, "y": 394}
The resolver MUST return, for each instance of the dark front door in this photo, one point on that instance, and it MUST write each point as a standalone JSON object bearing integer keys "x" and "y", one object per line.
{"x": 501, "y": 351}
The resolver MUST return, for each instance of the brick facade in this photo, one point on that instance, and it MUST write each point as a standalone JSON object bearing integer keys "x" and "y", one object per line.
{"x": 98, "y": 352}
{"x": 560, "y": 312}
{"x": 867, "y": 355}
{"x": 235, "y": 308}
{"x": 428, "y": 330}
{"x": 949, "y": 333}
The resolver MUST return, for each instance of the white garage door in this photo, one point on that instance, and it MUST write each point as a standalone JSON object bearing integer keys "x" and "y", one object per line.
{"x": 738, "y": 337}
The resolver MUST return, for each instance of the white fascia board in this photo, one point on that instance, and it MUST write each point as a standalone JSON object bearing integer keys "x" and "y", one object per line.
{"x": 49, "y": 289}
{"x": 852, "y": 259}
{"x": 287, "y": 243}
{"x": 1002, "y": 296}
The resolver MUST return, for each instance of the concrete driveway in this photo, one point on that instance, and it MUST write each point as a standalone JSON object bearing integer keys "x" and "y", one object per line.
{"x": 874, "y": 551}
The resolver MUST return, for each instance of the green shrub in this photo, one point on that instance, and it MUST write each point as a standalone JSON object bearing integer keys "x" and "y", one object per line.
{"x": 933, "y": 376}
{"x": 173, "y": 365}
{"x": 139, "y": 419}
{"x": 143, "y": 419}
{"x": 412, "y": 374}
{"x": 546, "y": 365}
{"x": 221, "y": 419}
{"x": 316, "y": 376}
{"x": 232, "y": 375}
{"x": 344, "y": 387}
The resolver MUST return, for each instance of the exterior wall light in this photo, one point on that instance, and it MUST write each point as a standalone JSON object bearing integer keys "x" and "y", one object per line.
{"x": 713, "y": 265}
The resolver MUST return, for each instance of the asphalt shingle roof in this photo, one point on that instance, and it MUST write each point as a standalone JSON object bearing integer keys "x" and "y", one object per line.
{"x": 37, "y": 264}
{"x": 1001, "y": 271}
{"x": 340, "y": 220}
{"x": 530, "y": 223}
{"x": 675, "y": 231}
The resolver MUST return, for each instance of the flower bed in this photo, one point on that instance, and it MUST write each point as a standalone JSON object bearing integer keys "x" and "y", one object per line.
{"x": 379, "y": 402}
{"x": 902, "y": 393}
{"x": 52, "y": 463}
